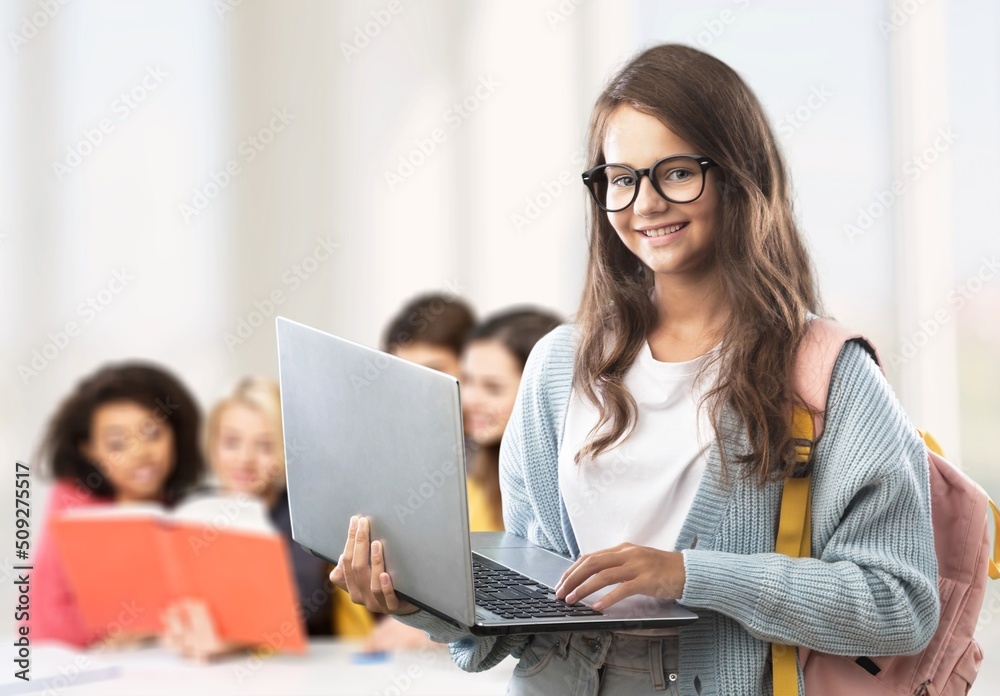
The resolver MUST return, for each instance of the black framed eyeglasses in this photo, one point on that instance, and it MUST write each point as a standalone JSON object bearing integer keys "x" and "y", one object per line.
{"x": 678, "y": 179}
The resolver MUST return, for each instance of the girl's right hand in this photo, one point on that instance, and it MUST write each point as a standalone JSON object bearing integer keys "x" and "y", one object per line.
{"x": 189, "y": 630}
{"x": 361, "y": 572}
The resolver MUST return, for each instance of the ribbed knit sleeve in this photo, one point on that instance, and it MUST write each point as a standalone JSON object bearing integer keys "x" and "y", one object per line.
{"x": 871, "y": 588}
{"x": 471, "y": 653}
{"x": 529, "y": 453}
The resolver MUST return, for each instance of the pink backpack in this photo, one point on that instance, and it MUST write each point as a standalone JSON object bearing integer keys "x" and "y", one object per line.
{"x": 960, "y": 510}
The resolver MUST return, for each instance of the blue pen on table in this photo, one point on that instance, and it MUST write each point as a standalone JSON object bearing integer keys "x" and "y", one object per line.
{"x": 367, "y": 658}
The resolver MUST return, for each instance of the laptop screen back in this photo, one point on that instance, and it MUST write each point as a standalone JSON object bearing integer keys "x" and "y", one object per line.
{"x": 369, "y": 433}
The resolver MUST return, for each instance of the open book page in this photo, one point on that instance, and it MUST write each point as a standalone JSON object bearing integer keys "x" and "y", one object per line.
{"x": 126, "y": 564}
{"x": 115, "y": 566}
{"x": 229, "y": 555}
{"x": 225, "y": 511}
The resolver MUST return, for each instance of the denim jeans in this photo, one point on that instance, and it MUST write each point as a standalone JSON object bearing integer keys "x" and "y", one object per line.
{"x": 596, "y": 663}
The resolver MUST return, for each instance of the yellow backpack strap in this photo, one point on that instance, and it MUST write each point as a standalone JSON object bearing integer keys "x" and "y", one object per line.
{"x": 932, "y": 444}
{"x": 995, "y": 560}
{"x": 794, "y": 539}
{"x": 815, "y": 358}
{"x": 793, "y": 524}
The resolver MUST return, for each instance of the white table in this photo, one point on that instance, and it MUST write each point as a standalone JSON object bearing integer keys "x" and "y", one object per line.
{"x": 330, "y": 667}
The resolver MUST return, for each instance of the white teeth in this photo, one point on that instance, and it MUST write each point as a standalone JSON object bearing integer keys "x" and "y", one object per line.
{"x": 663, "y": 230}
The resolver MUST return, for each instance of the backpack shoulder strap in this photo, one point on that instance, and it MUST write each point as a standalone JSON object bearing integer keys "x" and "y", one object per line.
{"x": 814, "y": 362}
{"x": 815, "y": 358}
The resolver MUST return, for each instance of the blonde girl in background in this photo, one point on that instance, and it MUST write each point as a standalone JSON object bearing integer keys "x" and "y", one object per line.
{"x": 245, "y": 448}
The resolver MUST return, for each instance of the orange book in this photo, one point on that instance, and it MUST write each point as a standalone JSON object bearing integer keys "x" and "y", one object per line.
{"x": 127, "y": 563}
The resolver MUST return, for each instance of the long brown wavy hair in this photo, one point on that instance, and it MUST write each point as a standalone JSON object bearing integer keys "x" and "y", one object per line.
{"x": 767, "y": 279}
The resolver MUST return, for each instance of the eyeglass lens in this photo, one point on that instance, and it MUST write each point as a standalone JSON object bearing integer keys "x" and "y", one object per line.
{"x": 679, "y": 179}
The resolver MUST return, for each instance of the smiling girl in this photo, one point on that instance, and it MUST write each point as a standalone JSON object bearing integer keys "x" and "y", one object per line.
{"x": 674, "y": 389}
{"x": 127, "y": 434}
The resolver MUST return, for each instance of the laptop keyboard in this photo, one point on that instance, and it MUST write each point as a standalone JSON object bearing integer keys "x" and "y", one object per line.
{"x": 515, "y": 596}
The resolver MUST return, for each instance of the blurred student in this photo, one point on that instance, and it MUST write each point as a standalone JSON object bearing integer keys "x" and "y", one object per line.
{"x": 127, "y": 434}
{"x": 430, "y": 330}
{"x": 492, "y": 362}
{"x": 243, "y": 440}
{"x": 491, "y": 365}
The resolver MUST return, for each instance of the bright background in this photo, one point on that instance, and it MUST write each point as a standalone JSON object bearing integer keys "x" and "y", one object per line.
{"x": 388, "y": 153}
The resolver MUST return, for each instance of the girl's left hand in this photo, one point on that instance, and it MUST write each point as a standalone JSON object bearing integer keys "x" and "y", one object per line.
{"x": 122, "y": 641}
{"x": 641, "y": 570}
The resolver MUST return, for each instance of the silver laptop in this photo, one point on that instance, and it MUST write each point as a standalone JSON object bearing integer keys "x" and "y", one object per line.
{"x": 370, "y": 434}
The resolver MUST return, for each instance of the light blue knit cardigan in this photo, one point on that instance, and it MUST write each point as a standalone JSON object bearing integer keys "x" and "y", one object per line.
{"x": 869, "y": 589}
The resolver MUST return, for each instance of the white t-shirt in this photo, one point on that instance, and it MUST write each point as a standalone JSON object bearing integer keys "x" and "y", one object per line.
{"x": 640, "y": 491}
